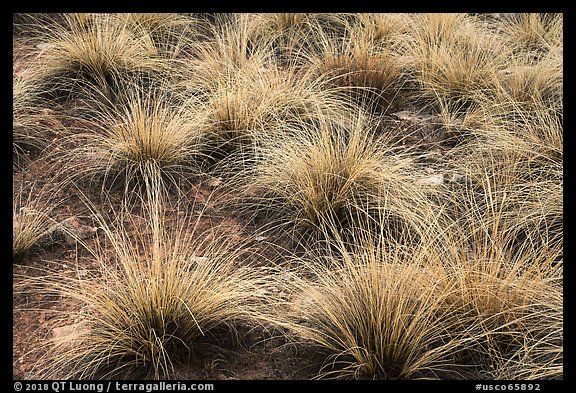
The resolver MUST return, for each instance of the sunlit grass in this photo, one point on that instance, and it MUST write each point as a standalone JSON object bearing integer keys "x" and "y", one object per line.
{"x": 150, "y": 142}
{"x": 336, "y": 172}
{"x": 153, "y": 295}
{"x": 32, "y": 219}
{"x": 452, "y": 58}
{"x": 26, "y": 117}
{"x": 292, "y": 116}
{"x": 94, "y": 53}
{"x": 378, "y": 309}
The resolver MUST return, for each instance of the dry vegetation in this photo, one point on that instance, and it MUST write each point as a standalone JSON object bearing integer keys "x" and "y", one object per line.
{"x": 318, "y": 195}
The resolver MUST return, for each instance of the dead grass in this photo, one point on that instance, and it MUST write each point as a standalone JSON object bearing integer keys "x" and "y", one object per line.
{"x": 311, "y": 175}
{"x": 94, "y": 53}
{"x": 379, "y": 310}
{"x": 453, "y": 59}
{"x": 32, "y": 219}
{"x": 26, "y": 129}
{"x": 150, "y": 142}
{"x": 292, "y": 118}
{"x": 150, "y": 299}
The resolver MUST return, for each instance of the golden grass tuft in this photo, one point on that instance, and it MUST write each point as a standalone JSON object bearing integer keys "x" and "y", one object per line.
{"x": 366, "y": 75}
{"x": 172, "y": 34}
{"x": 150, "y": 142}
{"x": 316, "y": 174}
{"x": 26, "y": 117}
{"x": 32, "y": 220}
{"x": 255, "y": 102}
{"x": 460, "y": 305}
{"x": 452, "y": 58}
{"x": 392, "y": 272}
{"x": 530, "y": 87}
{"x": 534, "y": 34}
{"x": 364, "y": 62}
{"x": 293, "y": 37}
{"x": 154, "y": 294}
{"x": 94, "y": 53}
{"x": 511, "y": 298}
{"x": 378, "y": 310}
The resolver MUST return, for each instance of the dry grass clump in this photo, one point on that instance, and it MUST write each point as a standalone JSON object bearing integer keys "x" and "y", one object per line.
{"x": 329, "y": 172}
{"x": 365, "y": 62}
{"x": 517, "y": 172}
{"x": 348, "y": 48}
{"x": 148, "y": 142}
{"x": 453, "y": 59}
{"x": 364, "y": 71}
{"x": 513, "y": 307}
{"x": 418, "y": 256}
{"x": 256, "y": 103}
{"x": 156, "y": 292}
{"x": 533, "y": 34}
{"x": 384, "y": 29}
{"x": 460, "y": 306}
{"x": 237, "y": 108}
{"x": 94, "y": 53}
{"x": 507, "y": 252}
{"x": 26, "y": 117}
{"x": 32, "y": 220}
{"x": 292, "y": 37}
{"x": 227, "y": 50}
{"x": 529, "y": 87}
{"x": 510, "y": 300}
{"x": 170, "y": 33}
{"x": 379, "y": 310}
{"x": 247, "y": 94}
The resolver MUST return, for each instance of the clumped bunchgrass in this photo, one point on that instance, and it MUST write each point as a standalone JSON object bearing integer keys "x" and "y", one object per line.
{"x": 452, "y": 58}
{"x": 149, "y": 142}
{"x": 315, "y": 174}
{"x": 171, "y": 33}
{"x": 32, "y": 218}
{"x": 293, "y": 37}
{"x": 227, "y": 50}
{"x": 519, "y": 173}
{"x": 363, "y": 70}
{"x": 378, "y": 310}
{"x": 460, "y": 305}
{"x": 517, "y": 330}
{"x": 94, "y": 53}
{"x": 26, "y": 117}
{"x": 153, "y": 295}
{"x": 533, "y": 34}
{"x": 512, "y": 297}
{"x": 528, "y": 88}
{"x": 401, "y": 245}
{"x": 255, "y": 102}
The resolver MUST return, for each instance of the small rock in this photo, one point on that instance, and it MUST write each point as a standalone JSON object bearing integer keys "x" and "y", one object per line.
{"x": 62, "y": 333}
{"x": 199, "y": 260}
{"x": 518, "y": 70}
{"x": 434, "y": 180}
{"x": 45, "y": 45}
{"x": 214, "y": 182}
{"x": 456, "y": 178}
{"x": 73, "y": 230}
{"x": 413, "y": 117}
